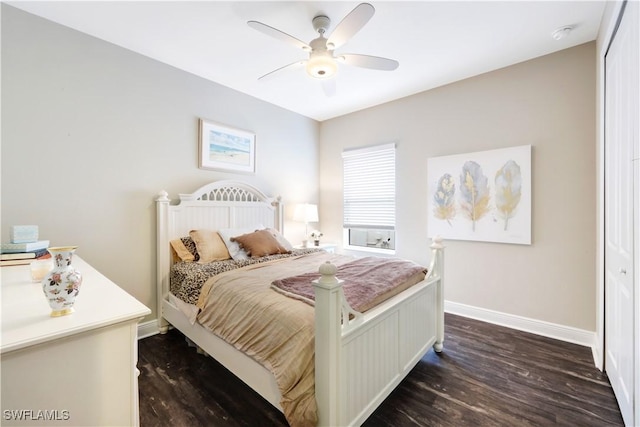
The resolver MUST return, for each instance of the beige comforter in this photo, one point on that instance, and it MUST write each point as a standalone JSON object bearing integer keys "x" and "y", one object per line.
{"x": 277, "y": 331}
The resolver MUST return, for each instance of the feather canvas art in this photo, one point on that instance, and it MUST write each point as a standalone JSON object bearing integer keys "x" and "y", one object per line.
{"x": 481, "y": 196}
{"x": 475, "y": 192}
{"x": 508, "y": 191}
{"x": 443, "y": 198}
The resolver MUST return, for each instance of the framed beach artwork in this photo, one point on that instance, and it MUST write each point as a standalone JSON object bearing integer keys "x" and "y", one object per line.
{"x": 482, "y": 196}
{"x": 225, "y": 148}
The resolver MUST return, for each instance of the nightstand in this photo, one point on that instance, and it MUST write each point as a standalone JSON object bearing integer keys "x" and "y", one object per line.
{"x": 329, "y": 247}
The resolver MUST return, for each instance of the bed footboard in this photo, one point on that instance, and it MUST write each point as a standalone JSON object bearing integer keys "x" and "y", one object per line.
{"x": 358, "y": 362}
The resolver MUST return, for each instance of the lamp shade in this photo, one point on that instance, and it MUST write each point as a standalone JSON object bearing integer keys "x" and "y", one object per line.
{"x": 306, "y": 213}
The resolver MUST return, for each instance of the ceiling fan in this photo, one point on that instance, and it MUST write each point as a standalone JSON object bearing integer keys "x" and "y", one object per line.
{"x": 322, "y": 62}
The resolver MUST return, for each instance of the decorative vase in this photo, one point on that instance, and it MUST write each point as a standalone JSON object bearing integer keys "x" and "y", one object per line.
{"x": 62, "y": 284}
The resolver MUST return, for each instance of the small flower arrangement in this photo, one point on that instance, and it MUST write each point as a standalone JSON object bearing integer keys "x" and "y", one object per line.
{"x": 316, "y": 235}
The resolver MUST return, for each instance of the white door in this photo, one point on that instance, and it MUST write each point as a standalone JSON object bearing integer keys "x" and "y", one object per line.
{"x": 621, "y": 135}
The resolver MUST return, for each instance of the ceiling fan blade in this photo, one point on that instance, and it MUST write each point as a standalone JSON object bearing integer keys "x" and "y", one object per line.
{"x": 367, "y": 61}
{"x": 289, "y": 66}
{"x": 273, "y": 32}
{"x": 329, "y": 87}
{"x": 350, "y": 25}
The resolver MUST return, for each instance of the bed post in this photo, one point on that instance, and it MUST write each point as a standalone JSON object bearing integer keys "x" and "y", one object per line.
{"x": 438, "y": 263}
{"x": 163, "y": 254}
{"x": 328, "y": 334}
{"x": 279, "y": 208}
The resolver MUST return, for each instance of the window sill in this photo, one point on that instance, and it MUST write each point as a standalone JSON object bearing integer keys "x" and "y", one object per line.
{"x": 370, "y": 250}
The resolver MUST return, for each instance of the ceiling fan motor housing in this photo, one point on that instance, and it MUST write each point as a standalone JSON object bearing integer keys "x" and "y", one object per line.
{"x": 321, "y": 63}
{"x": 321, "y": 23}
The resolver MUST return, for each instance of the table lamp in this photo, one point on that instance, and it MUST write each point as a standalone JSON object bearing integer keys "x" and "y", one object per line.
{"x": 306, "y": 212}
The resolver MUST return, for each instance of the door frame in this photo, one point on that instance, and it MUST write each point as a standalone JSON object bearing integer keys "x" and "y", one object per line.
{"x": 609, "y": 24}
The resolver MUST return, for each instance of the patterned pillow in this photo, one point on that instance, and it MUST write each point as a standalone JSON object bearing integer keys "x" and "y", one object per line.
{"x": 191, "y": 246}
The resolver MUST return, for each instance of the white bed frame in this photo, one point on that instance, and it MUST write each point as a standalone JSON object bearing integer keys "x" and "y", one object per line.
{"x": 358, "y": 363}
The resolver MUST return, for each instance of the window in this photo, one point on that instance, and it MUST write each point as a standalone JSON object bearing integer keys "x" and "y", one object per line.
{"x": 370, "y": 197}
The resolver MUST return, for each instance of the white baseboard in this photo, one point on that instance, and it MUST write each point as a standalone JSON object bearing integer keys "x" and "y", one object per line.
{"x": 539, "y": 327}
{"x": 147, "y": 329}
{"x": 597, "y": 350}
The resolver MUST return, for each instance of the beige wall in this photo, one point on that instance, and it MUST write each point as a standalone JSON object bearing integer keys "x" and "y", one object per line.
{"x": 111, "y": 128}
{"x": 549, "y": 103}
{"x": 92, "y": 132}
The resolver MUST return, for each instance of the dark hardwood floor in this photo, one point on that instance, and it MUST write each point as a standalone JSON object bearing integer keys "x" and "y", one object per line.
{"x": 487, "y": 376}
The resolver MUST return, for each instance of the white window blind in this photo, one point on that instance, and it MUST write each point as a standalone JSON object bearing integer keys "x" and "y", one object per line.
{"x": 370, "y": 187}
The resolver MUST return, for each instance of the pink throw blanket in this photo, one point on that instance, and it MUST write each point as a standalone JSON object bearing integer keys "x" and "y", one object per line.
{"x": 367, "y": 281}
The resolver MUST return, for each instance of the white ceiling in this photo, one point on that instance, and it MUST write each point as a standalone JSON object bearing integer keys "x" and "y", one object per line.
{"x": 436, "y": 42}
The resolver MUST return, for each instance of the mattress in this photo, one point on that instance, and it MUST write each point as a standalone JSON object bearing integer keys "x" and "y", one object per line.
{"x": 187, "y": 278}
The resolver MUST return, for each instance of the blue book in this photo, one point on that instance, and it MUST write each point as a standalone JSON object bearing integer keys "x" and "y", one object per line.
{"x": 24, "y": 233}
{"x": 23, "y": 255}
{"x": 9, "y": 248}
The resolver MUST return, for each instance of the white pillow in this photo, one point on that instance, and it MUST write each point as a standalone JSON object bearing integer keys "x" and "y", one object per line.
{"x": 236, "y": 252}
{"x": 281, "y": 239}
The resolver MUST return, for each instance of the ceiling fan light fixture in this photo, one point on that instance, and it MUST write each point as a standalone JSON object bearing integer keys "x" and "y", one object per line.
{"x": 321, "y": 66}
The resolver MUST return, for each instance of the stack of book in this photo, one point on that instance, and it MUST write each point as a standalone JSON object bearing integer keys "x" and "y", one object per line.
{"x": 24, "y": 247}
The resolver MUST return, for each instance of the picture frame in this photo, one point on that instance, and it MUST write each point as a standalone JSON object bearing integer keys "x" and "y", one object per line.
{"x": 225, "y": 148}
{"x": 483, "y": 196}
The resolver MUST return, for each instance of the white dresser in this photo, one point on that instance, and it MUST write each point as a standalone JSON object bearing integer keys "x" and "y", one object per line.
{"x": 74, "y": 370}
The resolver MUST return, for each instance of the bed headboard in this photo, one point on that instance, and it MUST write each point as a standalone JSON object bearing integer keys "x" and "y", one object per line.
{"x": 220, "y": 204}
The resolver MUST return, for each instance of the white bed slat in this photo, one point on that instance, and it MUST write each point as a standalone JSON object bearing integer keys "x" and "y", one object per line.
{"x": 365, "y": 378}
{"x": 419, "y": 311}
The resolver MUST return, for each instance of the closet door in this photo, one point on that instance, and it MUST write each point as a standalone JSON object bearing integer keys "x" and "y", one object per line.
{"x": 621, "y": 136}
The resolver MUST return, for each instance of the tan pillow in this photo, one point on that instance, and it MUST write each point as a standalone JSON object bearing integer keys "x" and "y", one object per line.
{"x": 209, "y": 245}
{"x": 259, "y": 243}
{"x": 181, "y": 251}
